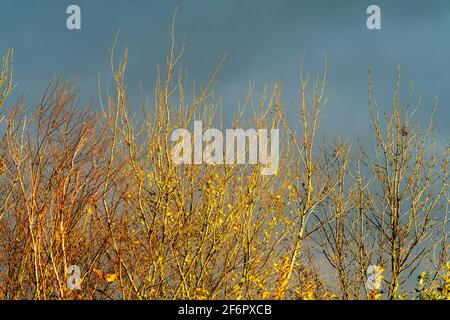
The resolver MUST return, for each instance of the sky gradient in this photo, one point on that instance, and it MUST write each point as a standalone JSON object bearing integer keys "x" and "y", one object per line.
{"x": 264, "y": 41}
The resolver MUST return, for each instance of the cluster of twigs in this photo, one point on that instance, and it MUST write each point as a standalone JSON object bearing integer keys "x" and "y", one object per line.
{"x": 99, "y": 190}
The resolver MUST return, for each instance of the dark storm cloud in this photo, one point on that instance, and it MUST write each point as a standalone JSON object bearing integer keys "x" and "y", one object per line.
{"x": 263, "y": 40}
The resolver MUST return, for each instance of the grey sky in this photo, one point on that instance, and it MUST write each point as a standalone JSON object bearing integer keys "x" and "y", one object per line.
{"x": 264, "y": 41}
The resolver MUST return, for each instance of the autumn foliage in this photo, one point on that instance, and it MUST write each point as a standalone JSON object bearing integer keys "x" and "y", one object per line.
{"x": 96, "y": 187}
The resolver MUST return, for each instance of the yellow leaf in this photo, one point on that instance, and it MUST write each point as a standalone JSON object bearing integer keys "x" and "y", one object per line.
{"x": 111, "y": 277}
{"x": 98, "y": 273}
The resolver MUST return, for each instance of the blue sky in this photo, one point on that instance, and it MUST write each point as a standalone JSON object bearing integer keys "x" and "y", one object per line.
{"x": 263, "y": 39}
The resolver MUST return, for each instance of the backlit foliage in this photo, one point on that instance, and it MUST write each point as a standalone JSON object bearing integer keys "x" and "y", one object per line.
{"x": 98, "y": 189}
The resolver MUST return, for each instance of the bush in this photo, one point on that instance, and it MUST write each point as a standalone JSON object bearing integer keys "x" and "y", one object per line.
{"x": 99, "y": 190}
